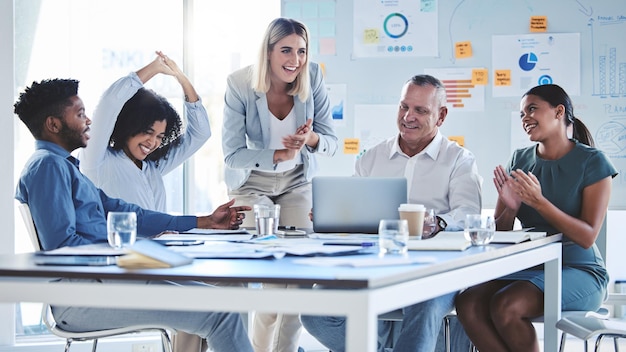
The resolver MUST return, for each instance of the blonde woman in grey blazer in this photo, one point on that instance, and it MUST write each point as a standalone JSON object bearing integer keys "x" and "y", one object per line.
{"x": 276, "y": 118}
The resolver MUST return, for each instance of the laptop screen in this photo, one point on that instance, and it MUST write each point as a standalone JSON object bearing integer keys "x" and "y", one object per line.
{"x": 355, "y": 204}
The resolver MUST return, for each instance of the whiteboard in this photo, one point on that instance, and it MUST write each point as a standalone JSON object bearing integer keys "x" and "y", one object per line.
{"x": 488, "y": 133}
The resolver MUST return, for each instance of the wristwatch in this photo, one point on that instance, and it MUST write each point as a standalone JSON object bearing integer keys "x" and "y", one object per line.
{"x": 441, "y": 224}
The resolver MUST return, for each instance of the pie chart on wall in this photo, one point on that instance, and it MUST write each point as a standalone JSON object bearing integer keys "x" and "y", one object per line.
{"x": 396, "y": 25}
{"x": 528, "y": 61}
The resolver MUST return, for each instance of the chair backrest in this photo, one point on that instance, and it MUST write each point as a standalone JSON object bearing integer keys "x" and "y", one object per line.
{"x": 30, "y": 225}
{"x": 601, "y": 240}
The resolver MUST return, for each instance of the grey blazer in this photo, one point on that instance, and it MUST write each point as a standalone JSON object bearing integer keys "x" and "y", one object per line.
{"x": 245, "y": 132}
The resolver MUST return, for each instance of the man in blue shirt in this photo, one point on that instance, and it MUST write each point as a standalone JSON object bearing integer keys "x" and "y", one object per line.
{"x": 68, "y": 210}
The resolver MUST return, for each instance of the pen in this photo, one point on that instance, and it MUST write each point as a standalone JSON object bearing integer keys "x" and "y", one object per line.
{"x": 183, "y": 243}
{"x": 362, "y": 244}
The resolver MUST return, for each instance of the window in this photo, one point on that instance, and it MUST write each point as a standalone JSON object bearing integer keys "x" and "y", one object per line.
{"x": 98, "y": 41}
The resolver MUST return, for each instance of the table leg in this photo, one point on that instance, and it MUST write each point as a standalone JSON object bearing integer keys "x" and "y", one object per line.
{"x": 552, "y": 304}
{"x": 356, "y": 324}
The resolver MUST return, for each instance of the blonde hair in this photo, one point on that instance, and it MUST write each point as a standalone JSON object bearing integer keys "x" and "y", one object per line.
{"x": 277, "y": 30}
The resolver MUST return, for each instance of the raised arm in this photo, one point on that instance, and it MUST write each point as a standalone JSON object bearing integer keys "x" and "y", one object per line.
{"x": 197, "y": 128}
{"x": 111, "y": 103}
{"x": 171, "y": 68}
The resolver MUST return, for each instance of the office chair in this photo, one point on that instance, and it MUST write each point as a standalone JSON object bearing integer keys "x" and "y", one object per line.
{"x": 589, "y": 326}
{"x": 48, "y": 318}
{"x": 397, "y": 315}
{"x": 602, "y": 314}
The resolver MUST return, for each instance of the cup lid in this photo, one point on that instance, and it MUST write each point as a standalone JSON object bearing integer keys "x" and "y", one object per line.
{"x": 411, "y": 207}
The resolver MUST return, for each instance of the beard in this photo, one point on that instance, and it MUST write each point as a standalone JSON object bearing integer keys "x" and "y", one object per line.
{"x": 72, "y": 137}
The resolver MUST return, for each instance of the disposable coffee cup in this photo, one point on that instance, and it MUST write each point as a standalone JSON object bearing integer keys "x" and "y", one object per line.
{"x": 414, "y": 215}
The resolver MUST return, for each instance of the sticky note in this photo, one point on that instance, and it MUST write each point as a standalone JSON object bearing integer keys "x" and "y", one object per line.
{"x": 351, "y": 146}
{"x": 502, "y": 78}
{"x": 480, "y": 76}
{"x": 463, "y": 50}
{"x": 327, "y": 46}
{"x": 538, "y": 23}
{"x": 460, "y": 140}
{"x": 326, "y": 9}
{"x": 370, "y": 36}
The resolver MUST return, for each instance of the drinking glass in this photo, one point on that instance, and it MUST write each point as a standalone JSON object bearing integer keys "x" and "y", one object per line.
{"x": 121, "y": 229}
{"x": 393, "y": 236}
{"x": 479, "y": 229}
{"x": 266, "y": 218}
{"x": 430, "y": 223}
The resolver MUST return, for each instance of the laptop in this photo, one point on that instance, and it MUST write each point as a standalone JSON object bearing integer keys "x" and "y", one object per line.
{"x": 345, "y": 204}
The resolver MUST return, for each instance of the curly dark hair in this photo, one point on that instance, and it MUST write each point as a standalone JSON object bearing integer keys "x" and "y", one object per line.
{"x": 139, "y": 114}
{"x": 49, "y": 97}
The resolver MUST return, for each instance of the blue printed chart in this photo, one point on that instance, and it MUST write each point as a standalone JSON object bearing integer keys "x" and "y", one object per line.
{"x": 395, "y": 28}
{"x": 536, "y": 59}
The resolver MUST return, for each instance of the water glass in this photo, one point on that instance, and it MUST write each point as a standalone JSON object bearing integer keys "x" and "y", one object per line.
{"x": 393, "y": 236}
{"x": 266, "y": 218}
{"x": 430, "y": 223}
{"x": 479, "y": 229}
{"x": 121, "y": 229}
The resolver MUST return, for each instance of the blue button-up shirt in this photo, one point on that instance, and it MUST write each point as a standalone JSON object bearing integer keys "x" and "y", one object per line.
{"x": 69, "y": 210}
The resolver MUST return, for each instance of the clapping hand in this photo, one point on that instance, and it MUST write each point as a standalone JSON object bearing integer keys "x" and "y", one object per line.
{"x": 517, "y": 188}
{"x": 300, "y": 138}
{"x": 527, "y": 187}
{"x": 507, "y": 194}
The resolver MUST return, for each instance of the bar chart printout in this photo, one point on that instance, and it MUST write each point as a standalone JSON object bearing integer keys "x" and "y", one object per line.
{"x": 458, "y": 91}
{"x": 608, "y": 55}
{"x": 611, "y": 79}
{"x": 462, "y": 94}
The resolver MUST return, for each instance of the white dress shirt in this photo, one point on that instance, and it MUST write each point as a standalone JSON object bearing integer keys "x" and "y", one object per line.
{"x": 443, "y": 176}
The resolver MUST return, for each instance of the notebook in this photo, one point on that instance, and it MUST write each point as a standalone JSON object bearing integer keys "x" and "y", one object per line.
{"x": 514, "y": 237}
{"x": 344, "y": 204}
{"x": 146, "y": 253}
{"x": 444, "y": 241}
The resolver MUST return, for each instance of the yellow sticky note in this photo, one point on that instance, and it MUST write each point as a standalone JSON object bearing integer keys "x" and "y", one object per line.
{"x": 538, "y": 23}
{"x": 502, "y": 78}
{"x": 323, "y": 68}
{"x": 351, "y": 146}
{"x": 480, "y": 76}
{"x": 463, "y": 50}
{"x": 370, "y": 36}
{"x": 460, "y": 140}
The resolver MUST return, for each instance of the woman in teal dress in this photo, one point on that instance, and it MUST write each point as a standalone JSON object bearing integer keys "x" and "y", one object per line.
{"x": 559, "y": 185}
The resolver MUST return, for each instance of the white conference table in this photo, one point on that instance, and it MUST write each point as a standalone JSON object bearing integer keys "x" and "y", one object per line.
{"x": 360, "y": 294}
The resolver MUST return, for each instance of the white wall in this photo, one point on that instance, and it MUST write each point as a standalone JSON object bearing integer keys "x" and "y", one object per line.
{"x": 616, "y": 244}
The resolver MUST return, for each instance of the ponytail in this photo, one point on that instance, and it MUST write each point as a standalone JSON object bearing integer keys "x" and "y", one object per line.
{"x": 581, "y": 133}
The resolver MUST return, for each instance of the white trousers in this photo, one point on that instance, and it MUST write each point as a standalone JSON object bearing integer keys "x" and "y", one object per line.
{"x": 273, "y": 332}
